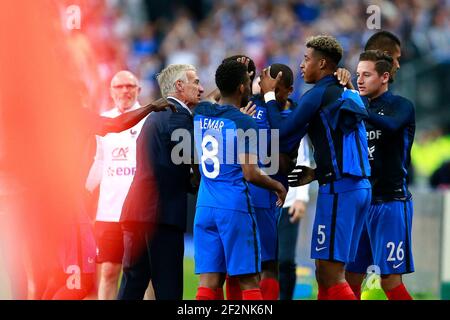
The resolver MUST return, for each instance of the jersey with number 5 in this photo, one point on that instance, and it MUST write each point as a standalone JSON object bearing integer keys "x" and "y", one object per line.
{"x": 221, "y": 132}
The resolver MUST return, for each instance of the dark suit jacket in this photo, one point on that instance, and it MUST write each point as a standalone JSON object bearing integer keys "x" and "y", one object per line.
{"x": 158, "y": 193}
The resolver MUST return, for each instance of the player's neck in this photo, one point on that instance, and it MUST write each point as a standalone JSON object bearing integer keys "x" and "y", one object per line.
{"x": 379, "y": 93}
{"x": 323, "y": 74}
{"x": 233, "y": 101}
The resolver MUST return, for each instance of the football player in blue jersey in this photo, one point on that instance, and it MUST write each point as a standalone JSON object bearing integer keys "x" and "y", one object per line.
{"x": 386, "y": 241}
{"x": 267, "y": 214}
{"x": 341, "y": 155}
{"x": 263, "y": 200}
{"x": 226, "y": 237}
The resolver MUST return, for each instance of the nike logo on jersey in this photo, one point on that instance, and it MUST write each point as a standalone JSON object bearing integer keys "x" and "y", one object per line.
{"x": 395, "y": 266}
{"x": 320, "y": 249}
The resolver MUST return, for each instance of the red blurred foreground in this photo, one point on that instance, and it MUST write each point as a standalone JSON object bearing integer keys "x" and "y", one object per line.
{"x": 43, "y": 129}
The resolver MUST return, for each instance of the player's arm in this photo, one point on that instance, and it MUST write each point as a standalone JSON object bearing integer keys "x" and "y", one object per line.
{"x": 254, "y": 175}
{"x": 403, "y": 113}
{"x": 130, "y": 119}
{"x": 297, "y": 120}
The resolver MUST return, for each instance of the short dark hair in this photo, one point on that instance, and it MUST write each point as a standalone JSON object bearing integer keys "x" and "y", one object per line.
{"x": 287, "y": 78}
{"x": 251, "y": 64}
{"x": 328, "y": 46}
{"x": 383, "y": 61}
{"x": 229, "y": 76}
{"x": 382, "y": 40}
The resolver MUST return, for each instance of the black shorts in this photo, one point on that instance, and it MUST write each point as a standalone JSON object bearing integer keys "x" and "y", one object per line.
{"x": 109, "y": 239}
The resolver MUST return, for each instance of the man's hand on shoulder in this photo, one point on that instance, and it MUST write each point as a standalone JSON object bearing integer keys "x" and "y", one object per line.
{"x": 249, "y": 109}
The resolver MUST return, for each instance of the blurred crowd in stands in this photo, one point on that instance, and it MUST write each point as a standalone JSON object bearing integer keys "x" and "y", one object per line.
{"x": 145, "y": 35}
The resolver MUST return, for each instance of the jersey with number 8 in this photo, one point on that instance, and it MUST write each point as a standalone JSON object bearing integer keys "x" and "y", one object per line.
{"x": 217, "y": 145}
{"x": 210, "y": 155}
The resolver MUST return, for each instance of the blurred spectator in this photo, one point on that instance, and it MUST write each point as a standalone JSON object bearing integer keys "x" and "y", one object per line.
{"x": 113, "y": 171}
{"x": 145, "y": 35}
{"x": 440, "y": 179}
{"x": 430, "y": 150}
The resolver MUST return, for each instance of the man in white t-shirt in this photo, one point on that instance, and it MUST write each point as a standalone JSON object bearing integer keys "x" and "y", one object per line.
{"x": 113, "y": 169}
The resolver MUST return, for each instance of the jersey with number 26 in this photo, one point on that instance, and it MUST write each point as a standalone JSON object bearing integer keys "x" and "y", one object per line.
{"x": 218, "y": 141}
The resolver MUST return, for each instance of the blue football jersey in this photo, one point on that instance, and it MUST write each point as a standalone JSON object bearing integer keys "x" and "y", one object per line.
{"x": 261, "y": 197}
{"x": 218, "y": 142}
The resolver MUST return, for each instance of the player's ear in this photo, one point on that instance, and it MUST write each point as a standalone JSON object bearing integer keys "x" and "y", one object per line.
{"x": 241, "y": 88}
{"x": 386, "y": 77}
{"x": 322, "y": 63}
{"x": 291, "y": 89}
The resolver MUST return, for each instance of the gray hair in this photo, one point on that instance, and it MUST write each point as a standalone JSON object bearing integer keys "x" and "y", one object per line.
{"x": 170, "y": 75}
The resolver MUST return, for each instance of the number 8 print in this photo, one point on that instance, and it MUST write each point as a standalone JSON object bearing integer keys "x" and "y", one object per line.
{"x": 210, "y": 154}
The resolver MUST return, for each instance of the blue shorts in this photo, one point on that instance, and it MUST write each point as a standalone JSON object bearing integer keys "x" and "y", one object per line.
{"x": 226, "y": 241}
{"x": 268, "y": 233}
{"x": 385, "y": 245}
{"x": 341, "y": 211}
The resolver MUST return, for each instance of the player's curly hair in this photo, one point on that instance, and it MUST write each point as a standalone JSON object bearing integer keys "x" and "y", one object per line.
{"x": 383, "y": 61}
{"x": 229, "y": 76}
{"x": 328, "y": 46}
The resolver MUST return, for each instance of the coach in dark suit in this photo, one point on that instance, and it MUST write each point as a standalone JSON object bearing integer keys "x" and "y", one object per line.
{"x": 155, "y": 210}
